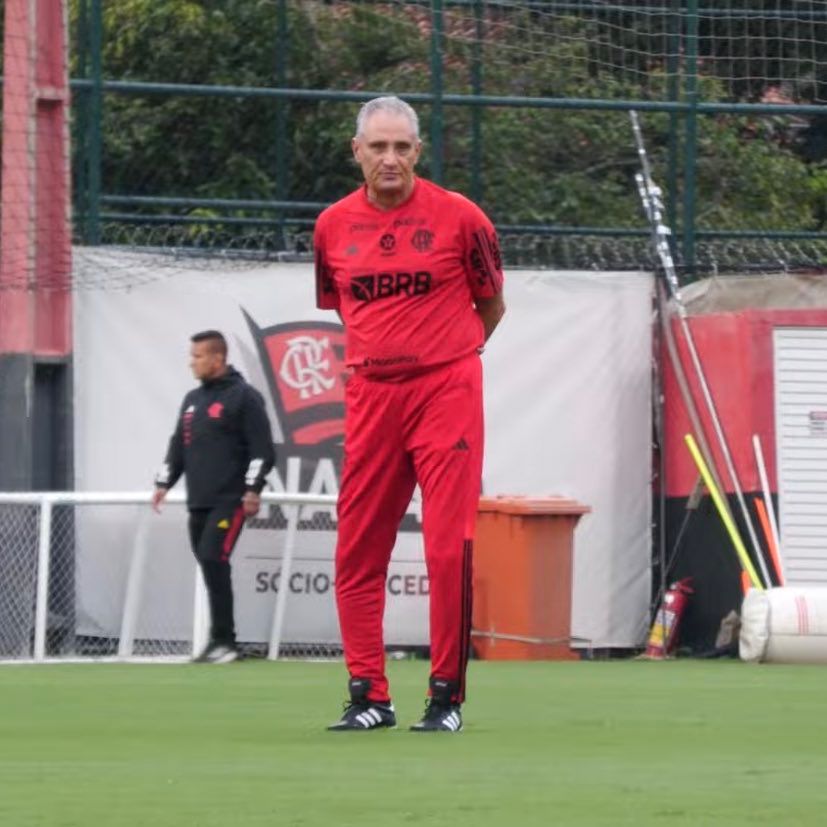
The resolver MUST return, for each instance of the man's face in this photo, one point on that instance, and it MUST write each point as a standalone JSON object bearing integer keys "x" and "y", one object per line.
{"x": 205, "y": 361}
{"x": 387, "y": 151}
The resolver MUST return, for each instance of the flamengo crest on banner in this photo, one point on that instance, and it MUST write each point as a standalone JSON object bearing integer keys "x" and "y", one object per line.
{"x": 304, "y": 366}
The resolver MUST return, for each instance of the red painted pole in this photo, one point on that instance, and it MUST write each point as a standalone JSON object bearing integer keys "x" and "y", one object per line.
{"x": 35, "y": 240}
{"x": 53, "y": 242}
{"x": 35, "y": 250}
{"x": 16, "y": 240}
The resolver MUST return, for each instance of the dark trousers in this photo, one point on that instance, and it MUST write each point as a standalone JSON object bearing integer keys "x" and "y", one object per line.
{"x": 213, "y": 535}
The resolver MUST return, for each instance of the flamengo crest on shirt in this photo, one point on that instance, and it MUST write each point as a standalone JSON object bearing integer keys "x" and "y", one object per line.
{"x": 422, "y": 240}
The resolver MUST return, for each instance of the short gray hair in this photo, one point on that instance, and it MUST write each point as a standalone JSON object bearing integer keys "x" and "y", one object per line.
{"x": 391, "y": 104}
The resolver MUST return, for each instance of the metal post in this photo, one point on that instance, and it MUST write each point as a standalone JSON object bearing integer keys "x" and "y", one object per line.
{"x": 437, "y": 91}
{"x": 95, "y": 124}
{"x": 134, "y": 586}
{"x": 80, "y": 126}
{"x": 691, "y": 151}
{"x": 476, "y": 111}
{"x": 44, "y": 545}
{"x": 282, "y": 45}
{"x": 673, "y": 94}
{"x": 201, "y": 618}
{"x": 277, "y": 630}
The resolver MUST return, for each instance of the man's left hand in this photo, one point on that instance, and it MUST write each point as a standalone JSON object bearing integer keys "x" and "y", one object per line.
{"x": 251, "y": 502}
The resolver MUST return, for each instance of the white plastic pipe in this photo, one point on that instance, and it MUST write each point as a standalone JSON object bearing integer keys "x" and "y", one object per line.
{"x": 200, "y": 614}
{"x": 292, "y": 514}
{"x": 134, "y": 587}
{"x": 765, "y": 488}
{"x": 42, "y": 595}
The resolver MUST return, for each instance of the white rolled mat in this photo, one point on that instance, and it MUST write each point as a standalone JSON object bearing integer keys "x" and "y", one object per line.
{"x": 784, "y": 625}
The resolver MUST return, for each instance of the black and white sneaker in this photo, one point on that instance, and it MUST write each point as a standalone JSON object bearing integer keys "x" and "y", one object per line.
{"x": 217, "y": 653}
{"x": 361, "y": 714}
{"x": 441, "y": 713}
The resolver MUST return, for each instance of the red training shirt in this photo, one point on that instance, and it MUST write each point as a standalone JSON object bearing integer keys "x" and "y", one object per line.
{"x": 404, "y": 280}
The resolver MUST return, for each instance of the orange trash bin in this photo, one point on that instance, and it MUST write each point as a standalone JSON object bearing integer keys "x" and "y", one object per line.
{"x": 523, "y": 577}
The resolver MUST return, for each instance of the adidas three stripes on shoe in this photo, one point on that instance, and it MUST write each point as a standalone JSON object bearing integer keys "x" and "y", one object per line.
{"x": 360, "y": 713}
{"x": 442, "y": 714}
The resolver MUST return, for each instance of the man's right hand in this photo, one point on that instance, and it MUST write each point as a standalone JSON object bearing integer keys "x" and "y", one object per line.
{"x": 158, "y": 496}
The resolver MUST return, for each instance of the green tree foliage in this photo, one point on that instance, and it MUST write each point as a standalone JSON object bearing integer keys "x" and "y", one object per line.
{"x": 540, "y": 166}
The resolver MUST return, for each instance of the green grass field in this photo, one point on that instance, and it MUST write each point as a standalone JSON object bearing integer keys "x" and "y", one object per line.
{"x": 613, "y": 743}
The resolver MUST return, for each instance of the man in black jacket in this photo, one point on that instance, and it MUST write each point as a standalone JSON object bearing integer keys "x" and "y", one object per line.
{"x": 223, "y": 445}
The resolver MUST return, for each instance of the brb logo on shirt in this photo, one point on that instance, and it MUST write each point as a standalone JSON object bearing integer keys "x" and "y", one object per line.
{"x": 385, "y": 285}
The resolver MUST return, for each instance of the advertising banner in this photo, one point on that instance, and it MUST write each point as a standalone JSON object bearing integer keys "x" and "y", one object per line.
{"x": 567, "y": 383}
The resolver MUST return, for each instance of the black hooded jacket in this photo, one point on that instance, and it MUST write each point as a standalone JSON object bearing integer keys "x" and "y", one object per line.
{"x": 222, "y": 442}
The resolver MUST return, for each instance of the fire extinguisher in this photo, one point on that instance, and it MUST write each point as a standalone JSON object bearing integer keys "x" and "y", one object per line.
{"x": 664, "y": 633}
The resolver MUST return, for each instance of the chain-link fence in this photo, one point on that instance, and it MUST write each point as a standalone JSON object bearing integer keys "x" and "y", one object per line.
{"x": 523, "y": 106}
{"x": 235, "y": 149}
{"x": 18, "y": 579}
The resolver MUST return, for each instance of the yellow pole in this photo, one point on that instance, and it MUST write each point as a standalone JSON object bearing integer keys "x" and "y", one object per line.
{"x": 743, "y": 556}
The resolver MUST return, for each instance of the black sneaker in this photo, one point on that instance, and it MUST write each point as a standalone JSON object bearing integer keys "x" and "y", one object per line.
{"x": 217, "y": 653}
{"x": 441, "y": 713}
{"x": 360, "y": 713}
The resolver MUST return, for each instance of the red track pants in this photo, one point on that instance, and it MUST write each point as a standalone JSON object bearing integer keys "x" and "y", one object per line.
{"x": 426, "y": 430}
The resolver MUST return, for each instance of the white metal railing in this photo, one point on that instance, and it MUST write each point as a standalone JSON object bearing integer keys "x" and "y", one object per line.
{"x": 46, "y": 501}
